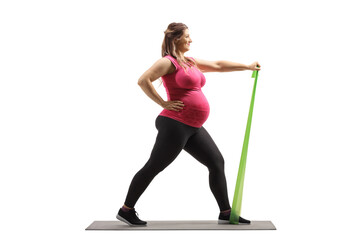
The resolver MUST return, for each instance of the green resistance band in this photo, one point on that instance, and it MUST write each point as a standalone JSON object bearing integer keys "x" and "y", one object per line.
{"x": 236, "y": 206}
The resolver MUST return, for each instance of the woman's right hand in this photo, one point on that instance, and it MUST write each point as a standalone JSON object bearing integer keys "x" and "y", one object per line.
{"x": 173, "y": 105}
{"x": 255, "y": 66}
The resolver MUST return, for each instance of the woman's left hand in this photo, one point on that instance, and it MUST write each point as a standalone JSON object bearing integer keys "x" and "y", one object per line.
{"x": 255, "y": 66}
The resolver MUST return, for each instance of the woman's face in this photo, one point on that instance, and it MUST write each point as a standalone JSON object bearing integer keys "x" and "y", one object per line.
{"x": 183, "y": 44}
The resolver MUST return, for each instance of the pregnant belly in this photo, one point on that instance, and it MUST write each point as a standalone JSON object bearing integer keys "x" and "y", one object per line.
{"x": 195, "y": 100}
{"x": 195, "y": 112}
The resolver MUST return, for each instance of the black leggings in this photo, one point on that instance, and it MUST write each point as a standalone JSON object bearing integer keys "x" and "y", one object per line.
{"x": 173, "y": 136}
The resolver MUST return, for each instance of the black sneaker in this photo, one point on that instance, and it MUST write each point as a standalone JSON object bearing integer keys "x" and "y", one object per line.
{"x": 225, "y": 219}
{"x": 130, "y": 218}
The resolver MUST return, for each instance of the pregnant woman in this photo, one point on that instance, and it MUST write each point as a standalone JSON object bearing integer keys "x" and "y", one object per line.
{"x": 180, "y": 124}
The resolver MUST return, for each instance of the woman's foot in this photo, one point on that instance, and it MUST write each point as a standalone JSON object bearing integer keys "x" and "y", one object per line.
{"x": 129, "y": 216}
{"x": 224, "y": 218}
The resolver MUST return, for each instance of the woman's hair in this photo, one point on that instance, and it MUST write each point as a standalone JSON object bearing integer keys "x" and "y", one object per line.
{"x": 174, "y": 32}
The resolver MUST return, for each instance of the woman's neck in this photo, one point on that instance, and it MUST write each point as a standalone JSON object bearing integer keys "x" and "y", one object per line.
{"x": 181, "y": 55}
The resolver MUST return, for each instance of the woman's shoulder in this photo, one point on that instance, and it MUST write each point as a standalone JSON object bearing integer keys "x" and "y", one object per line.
{"x": 173, "y": 64}
{"x": 172, "y": 59}
{"x": 169, "y": 57}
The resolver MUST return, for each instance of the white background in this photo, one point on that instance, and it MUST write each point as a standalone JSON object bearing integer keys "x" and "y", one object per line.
{"x": 76, "y": 127}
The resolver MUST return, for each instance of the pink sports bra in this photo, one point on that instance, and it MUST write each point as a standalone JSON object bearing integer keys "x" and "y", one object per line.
{"x": 186, "y": 87}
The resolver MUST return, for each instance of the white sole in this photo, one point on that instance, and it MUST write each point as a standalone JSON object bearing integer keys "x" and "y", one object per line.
{"x": 223, "y": 221}
{"x": 127, "y": 222}
{"x": 228, "y": 222}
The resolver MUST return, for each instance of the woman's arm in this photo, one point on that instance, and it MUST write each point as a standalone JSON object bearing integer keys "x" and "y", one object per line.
{"x": 224, "y": 66}
{"x": 161, "y": 67}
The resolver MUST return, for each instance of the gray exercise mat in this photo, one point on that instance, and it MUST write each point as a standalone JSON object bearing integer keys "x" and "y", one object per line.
{"x": 181, "y": 225}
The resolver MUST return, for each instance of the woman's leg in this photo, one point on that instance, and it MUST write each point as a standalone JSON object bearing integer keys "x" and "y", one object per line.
{"x": 202, "y": 147}
{"x": 171, "y": 139}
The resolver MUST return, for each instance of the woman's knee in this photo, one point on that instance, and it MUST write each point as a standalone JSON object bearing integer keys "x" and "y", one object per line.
{"x": 151, "y": 169}
{"x": 217, "y": 163}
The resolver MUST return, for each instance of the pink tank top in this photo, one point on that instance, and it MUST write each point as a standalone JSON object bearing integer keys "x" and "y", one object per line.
{"x": 186, "y": 87}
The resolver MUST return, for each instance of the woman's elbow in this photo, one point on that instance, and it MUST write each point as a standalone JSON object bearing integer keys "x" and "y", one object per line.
{"x": 218, "y": 66}
{"x": 141, "y": 81}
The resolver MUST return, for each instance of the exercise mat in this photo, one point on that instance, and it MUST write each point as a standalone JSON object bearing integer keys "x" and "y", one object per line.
{"x": 181, "y": 225}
